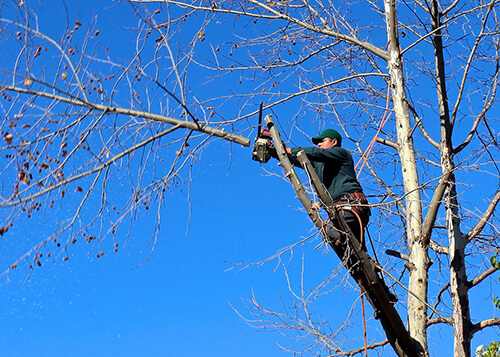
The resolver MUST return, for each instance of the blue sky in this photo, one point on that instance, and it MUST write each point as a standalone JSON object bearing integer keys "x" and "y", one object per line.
{"x": 176, "y": 304}
{"x": 181, "y": 300}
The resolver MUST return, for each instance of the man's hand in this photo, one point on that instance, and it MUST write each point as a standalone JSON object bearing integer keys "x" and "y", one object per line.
{"x": 273, "y": 152}
{"x": 316, "y": 206}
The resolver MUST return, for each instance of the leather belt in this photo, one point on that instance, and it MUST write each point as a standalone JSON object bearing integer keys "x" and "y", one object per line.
{"x": 353, "y": 197}
{"x": 356, "y": 198}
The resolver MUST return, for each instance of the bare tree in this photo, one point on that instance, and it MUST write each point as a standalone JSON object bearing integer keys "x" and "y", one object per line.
{"x": 412, "y": 84}
{"x": 70, "y": 135}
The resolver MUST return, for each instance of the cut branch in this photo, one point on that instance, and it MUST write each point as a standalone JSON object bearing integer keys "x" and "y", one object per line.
{"x": 136, "y": 113}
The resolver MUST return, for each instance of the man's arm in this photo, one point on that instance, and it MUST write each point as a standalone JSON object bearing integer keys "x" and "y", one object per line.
{"x": 321, "y": 155}
{"x": 293, "y": 157}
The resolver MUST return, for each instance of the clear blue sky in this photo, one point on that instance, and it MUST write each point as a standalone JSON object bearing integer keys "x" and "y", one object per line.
{"x": 180, "y": 301}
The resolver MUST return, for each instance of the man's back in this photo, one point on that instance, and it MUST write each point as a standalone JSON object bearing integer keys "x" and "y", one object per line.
{"x": 335, "y": 168}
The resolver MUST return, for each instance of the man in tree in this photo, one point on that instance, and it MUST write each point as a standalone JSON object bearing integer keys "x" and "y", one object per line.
{"x": 335, "y": 168}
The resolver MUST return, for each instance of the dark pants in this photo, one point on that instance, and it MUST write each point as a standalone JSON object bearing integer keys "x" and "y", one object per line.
{"x": 352, "y": 221}
{"x": 337, "y": 237}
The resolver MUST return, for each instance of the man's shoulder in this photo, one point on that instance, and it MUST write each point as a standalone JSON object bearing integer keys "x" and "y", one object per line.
{"x": 339, "y": 151}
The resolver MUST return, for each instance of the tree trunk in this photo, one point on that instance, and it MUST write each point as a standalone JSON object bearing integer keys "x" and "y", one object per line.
{"x": 458, "y": 275}
{"x": 418, "y": 258}
{"x": 457, "y": 242}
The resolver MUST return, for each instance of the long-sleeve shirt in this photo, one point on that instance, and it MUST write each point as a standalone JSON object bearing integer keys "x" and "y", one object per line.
{"x": 334, "y": 167}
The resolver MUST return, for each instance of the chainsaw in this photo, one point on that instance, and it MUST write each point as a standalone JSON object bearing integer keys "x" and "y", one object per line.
{"x": 263, "y": 147}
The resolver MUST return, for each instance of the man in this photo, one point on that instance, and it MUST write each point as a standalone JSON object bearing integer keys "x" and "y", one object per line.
{"x": 335, "y": 168}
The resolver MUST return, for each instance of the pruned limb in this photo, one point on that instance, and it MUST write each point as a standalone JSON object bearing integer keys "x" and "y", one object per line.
{"x": 397, "y": 254}
{"x": 440, "y": 320}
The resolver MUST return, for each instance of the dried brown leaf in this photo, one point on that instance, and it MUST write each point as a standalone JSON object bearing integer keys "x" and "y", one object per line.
{"x": 8, "y": 138}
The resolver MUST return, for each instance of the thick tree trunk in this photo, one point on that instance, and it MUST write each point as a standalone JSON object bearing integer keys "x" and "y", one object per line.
{"x": 418, "y": 258}
{"x": 457, "y": 242}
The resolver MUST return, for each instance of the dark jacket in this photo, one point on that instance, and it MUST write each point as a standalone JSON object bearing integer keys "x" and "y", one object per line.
{"x": 334, "y": 167}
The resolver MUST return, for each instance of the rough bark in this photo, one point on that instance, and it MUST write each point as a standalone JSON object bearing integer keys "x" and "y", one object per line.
{"x": 462, "y": 326}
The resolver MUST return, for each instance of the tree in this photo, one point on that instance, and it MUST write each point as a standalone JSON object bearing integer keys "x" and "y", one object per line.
{"x": 487, "y": 351}
{"x": 412, "y": 85}
{"x": 65, "y": 134}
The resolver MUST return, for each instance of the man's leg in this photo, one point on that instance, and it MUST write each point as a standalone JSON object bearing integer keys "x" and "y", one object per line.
{"x": 352, "y": 221}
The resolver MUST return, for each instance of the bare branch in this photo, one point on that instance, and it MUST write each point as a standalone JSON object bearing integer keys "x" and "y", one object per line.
{"x": 482, "y": 114}
{"x": 19, "y": 200}
{"x": 422, "y": 128}
{"x": 449, "y": 8}
{"x": 326, "y": 30}
{"x": 388, "y": 142}
{"x": 482, "y": 276}
{"x": 485, "y": 323}
{"x": 438, "y": 300}
{"x": 440, "y": 320}
{"x": 353, "y": 352}
{"x": 411, "y": 292}
{"x": 465, "y": 75}
{"x": 484, "y": 218}
{"x": 146, "y": 115}
{"x": 434, "y": 205}
{"x": 438, "y": 248}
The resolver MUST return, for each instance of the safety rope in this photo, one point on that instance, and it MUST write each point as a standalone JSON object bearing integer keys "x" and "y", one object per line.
{"x": 364, "y": 159}
{"x": 368, "y": 150}
{"x": 361, "y": 240}
{"x": 385, "y": 118}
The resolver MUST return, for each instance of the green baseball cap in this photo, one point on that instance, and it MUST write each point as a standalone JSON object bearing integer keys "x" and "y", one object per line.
{"x": 328, "y": 133}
